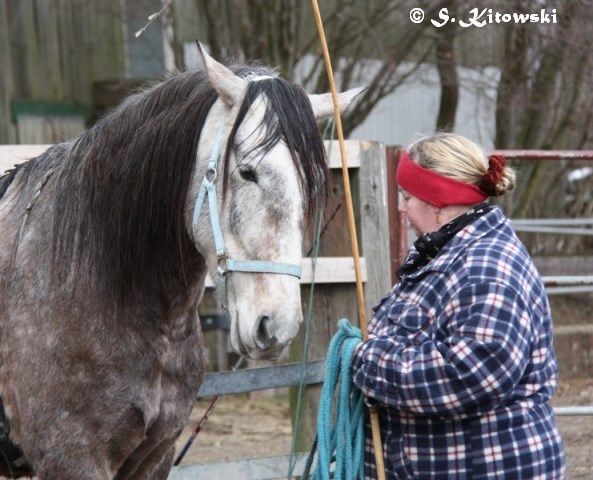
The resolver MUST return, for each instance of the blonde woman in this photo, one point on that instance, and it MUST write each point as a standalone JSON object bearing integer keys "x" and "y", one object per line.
{"x": 460, "y": 361}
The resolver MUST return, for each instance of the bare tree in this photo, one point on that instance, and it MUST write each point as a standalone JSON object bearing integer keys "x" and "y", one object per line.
{"x": 371, "y": 43}
{"x": 446, "y": 66}
{"x": 544, "y": 98}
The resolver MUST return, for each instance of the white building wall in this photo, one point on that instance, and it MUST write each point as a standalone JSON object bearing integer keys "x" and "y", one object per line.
{"x": 411, "y": 111}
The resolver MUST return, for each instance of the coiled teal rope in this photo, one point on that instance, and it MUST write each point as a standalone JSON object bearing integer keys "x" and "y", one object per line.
{"x": 340, "y": 429}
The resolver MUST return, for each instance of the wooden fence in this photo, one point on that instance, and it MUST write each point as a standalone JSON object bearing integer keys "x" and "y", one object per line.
{"x": 51, "y": 50}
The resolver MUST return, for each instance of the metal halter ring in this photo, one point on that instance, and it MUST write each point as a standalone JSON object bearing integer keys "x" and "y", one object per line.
{"x": 223, "y": 266}
{"x": 211, "y": 175}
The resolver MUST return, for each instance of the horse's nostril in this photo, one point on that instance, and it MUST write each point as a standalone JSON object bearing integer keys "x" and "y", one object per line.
{"x": 263, "y": 337}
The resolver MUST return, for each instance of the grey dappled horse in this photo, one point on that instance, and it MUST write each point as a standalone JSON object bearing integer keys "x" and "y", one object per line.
{"x": 103, "y": 259}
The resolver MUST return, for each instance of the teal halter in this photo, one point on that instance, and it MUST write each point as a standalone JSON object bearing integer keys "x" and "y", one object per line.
{"x": 226, "y": 264}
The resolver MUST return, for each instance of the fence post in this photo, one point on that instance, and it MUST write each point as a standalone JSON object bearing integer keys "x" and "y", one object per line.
{"x": 334, "y": 301}
{"x": 8, "y": 132}
{"x": 398, "y": 238}
{"x": 373, "y": 221}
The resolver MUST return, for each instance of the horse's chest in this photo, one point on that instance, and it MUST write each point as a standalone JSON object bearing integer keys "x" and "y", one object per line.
{"x": 166, "y": 397}
{"x": 173, "y": 390}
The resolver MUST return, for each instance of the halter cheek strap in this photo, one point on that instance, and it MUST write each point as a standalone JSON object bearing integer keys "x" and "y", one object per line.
{"x": 226, "y": 264}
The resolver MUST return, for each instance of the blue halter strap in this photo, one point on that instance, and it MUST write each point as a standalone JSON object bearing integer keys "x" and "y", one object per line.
{"x": 226, "y": 264}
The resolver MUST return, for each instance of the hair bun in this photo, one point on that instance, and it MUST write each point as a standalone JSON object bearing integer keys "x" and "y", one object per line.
{"x": 494, "y": 174}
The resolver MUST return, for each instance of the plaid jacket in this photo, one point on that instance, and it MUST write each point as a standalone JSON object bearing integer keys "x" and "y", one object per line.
{"x": 461, "y": 367}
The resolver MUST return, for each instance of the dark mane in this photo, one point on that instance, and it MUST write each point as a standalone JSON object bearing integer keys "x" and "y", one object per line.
{"x": 289, "y": 117}
{"x": 121, "y": 191}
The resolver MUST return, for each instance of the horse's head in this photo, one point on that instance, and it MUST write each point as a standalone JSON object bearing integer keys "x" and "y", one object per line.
{"x": 272, "y": 169}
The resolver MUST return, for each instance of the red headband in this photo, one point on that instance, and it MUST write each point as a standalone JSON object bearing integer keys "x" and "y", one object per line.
{"x": 435, "y": 188}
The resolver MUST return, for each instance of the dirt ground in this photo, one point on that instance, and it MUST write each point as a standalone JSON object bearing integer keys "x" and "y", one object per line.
{"x": 575, "y": 309}
{"x": 244, "y": 427}
{"x": 241, "y": 426}
{"x": 577, "y": 431}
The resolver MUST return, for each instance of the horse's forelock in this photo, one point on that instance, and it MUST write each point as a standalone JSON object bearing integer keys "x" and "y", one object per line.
{"x": 288, "y": 117}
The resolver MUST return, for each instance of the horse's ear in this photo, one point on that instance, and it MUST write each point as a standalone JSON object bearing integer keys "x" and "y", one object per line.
{"x": 323, "y": 105}
{"x": 229, "y": 86}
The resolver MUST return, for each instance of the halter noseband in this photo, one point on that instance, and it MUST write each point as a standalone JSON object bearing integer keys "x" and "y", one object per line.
{"x": 226, "y": 264}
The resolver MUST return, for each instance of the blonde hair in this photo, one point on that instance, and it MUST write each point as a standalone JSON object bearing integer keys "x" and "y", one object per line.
{"x": 457, "y": 157}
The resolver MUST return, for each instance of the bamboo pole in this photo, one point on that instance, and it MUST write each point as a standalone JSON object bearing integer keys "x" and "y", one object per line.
{"x": 377, "y": 445}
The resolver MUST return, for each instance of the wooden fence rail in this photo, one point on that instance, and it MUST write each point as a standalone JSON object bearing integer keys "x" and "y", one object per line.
{"x": 254, "y": 379}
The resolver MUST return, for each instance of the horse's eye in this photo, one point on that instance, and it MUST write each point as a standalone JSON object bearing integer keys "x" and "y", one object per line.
{"x": 248, "y": 173}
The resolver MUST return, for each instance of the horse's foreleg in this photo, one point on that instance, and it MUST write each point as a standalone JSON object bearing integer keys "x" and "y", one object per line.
{"x": 155, "y": 464}
{"x": 161, "y": 470}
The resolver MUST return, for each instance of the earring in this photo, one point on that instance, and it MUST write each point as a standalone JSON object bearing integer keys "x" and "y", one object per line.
{"x": 438, "y": 214}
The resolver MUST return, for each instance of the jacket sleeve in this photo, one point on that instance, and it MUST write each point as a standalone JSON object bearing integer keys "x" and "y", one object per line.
{"x": 472, "y": 369}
